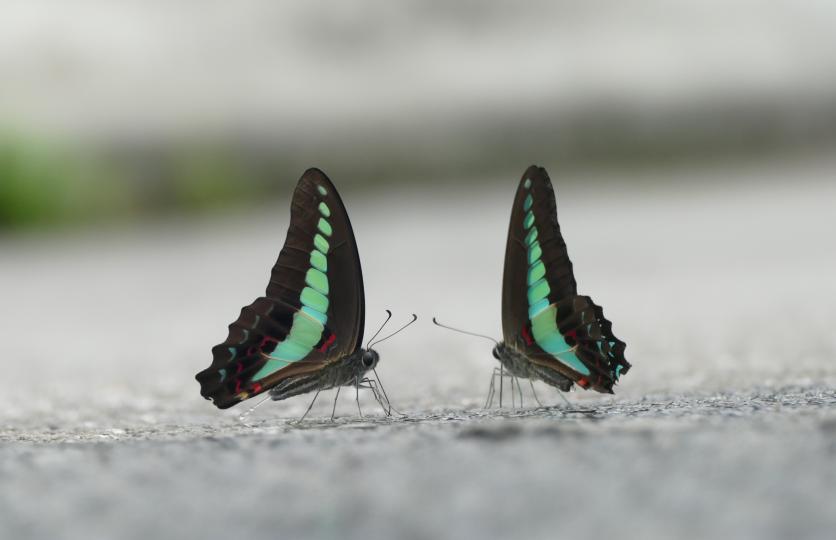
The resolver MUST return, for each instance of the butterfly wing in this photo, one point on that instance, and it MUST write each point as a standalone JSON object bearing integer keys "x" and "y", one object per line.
{"x": 542, "y": 314}
{"x": 314, "y": 308}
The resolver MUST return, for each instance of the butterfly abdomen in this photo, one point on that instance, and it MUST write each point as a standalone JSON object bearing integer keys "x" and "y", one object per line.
{"x": 346, "y": 371}
{"x": 519, "y": 365}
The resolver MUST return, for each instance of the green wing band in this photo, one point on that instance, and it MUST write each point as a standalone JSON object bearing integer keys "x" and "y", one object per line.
{"x": 543, "y": 316}
{"x": 309, "y": 322}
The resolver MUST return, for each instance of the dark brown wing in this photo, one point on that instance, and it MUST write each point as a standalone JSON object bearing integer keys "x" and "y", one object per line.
{"x": 542, "y": 315}
{"x": 314, "y": 308}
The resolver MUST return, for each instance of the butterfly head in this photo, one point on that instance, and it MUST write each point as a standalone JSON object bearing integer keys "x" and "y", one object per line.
{"x": 369, "y": 359}
{"x": 499, "y": 351}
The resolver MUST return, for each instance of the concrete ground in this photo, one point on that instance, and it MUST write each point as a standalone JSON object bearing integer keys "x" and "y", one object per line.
{"x": 720, "y": 280}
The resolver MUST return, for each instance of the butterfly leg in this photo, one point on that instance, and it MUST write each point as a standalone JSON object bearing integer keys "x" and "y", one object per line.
{"x": 371, "y": 384}
{"x": 515, "y": 379}
{"x": 498, "y": 372}
{"x": 491, "y": 389}
{"x": 318, "y": 390}
{"x": 560, "y": 393}
{"x": 383, "y": 398}
{"x": 383, "y": 390}
{"x": 377, "y": 396}
{"x": 334, "y": 408}
{"x": 357, "y": 396}
{"x": 519, "y": 388}
{"x": 534, "y": 393}
{"x": 501, "y": 375}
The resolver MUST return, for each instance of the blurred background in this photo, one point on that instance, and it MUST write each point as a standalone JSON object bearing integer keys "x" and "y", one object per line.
{"x": 115, "y": 111}
{"x": 149, "y": 149}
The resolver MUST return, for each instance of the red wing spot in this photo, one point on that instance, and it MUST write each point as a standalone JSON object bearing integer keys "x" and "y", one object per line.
{"x": 268, "y": 339}
{"x": 572, "y": 334}
{"x": 526, "y": 336}
{"x": 331, "y": 339}
{"x": 256, "y": 388}
{"x": 583, "y": 383}
{"x": 237, "y": 386}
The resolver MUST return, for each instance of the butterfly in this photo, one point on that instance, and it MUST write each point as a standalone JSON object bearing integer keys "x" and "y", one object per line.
{"x": 550, "y": 333}
{"x": 305, "y": 333}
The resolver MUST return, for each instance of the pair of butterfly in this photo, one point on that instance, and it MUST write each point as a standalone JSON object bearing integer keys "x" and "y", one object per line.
{"x": 306, "y": 333}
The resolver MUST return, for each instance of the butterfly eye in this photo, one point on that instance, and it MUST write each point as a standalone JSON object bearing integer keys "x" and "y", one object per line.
{"x": 496, "y": 353}
{"x": 369, "y": 359}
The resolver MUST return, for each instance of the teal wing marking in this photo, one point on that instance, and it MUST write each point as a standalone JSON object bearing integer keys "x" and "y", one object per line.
{"x": 541, "y": 313}
{"x": 309, "y": 322}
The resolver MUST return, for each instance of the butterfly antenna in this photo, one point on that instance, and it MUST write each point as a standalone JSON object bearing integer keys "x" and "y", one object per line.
{"x": 396, "y": 332}
{"x": 388, "y": 316}
{"x": 435, "y": 322}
